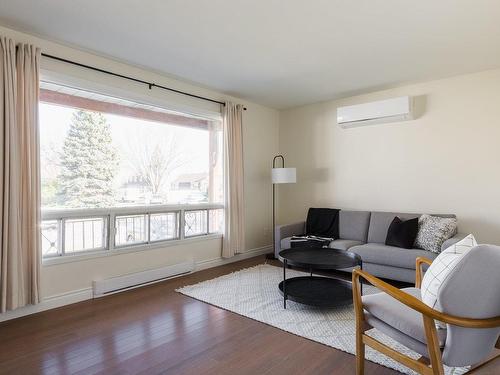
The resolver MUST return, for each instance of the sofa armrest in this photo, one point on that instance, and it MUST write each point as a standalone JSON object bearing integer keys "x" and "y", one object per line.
{"x": 287, "y": 230}
{"x": 453, "y": 240}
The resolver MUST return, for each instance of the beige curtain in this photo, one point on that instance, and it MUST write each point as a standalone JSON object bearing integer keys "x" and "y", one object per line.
{"x": 234, "y": 234}
{"x": 19, "y": 171}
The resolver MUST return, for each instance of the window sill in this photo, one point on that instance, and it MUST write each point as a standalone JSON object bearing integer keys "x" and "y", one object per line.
{"x": 125, "y": 250}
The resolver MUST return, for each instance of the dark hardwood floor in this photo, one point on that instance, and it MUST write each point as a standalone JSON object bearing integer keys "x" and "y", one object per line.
{"x": 154, "y": 330}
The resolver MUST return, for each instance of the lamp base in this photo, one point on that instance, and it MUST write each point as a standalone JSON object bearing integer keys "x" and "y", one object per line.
{"x": 270, "y": 256}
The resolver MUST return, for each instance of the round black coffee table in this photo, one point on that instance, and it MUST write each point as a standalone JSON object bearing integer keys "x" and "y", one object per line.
{"x": 320, "y": 291}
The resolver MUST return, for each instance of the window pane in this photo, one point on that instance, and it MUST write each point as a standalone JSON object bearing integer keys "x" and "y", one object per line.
{"x": 216, "y": 220}
{"x": 50, "y": 237}
{"x": 84, "y": 234}
{"x": 195, "y": 223}
{"x": 130, "y": 230}
{"x": 99, "y": 151}
{"x": 163, "y": 226}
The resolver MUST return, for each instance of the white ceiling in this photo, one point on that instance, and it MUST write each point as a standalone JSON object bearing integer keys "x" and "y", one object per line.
{"x": 279, "y": 53}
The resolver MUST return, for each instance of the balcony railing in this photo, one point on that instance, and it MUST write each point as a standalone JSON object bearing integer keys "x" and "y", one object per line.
{"x": 76, "y": 231}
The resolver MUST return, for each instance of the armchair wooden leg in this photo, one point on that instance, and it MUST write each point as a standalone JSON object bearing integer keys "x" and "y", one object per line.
{"x": 360, "y": 326}
{"x": 360, "y": 352}
{"x": 433, "y": 346}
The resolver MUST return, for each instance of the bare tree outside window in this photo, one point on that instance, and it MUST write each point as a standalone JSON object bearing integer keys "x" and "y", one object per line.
{"x": 156, "y": 162}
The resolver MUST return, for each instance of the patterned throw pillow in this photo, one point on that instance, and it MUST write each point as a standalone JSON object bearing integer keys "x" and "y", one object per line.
{"x": 433, "y": 231}
{"x": 441, "y": 268}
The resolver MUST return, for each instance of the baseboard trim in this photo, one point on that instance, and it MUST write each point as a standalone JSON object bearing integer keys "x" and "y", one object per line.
{"x": 80, "y": 295}
{"x": 49, "y": 303}
{"x": 221, "y": 261}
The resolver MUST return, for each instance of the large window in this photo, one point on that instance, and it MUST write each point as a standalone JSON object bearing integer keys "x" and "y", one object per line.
{"x": 117, "y": 174}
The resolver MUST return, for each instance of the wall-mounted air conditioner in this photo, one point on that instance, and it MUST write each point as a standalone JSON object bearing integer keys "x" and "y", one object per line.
{"x": 379, "y": 112}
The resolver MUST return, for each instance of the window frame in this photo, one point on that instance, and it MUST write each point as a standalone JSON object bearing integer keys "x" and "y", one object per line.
{"x": 62, "y": 235}
{"x": 211, "y": 113}
{"x": 207, "y": 217}
{"x": 110, "y": 215}
{"x": 177, "y": 227}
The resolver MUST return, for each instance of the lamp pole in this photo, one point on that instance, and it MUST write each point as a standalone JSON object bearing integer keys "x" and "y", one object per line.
{"x": 272, "y": 256}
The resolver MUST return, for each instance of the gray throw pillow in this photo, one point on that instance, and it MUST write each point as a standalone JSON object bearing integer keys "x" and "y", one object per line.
{"x": 433, "y": 231}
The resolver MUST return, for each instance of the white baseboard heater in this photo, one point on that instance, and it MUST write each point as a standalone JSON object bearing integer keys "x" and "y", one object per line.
{"x": 134, "y": 280}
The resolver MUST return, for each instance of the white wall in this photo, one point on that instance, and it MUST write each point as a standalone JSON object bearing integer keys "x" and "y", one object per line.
{"x": 260, "y": 144}
{"x": 446, "y": 161}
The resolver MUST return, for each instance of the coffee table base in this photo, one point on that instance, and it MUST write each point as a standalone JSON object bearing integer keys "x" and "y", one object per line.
{"x": 317, "y": 291}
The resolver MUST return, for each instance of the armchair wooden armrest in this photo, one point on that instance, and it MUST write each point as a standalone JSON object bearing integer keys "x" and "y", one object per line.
{"x": 419, "y": 272}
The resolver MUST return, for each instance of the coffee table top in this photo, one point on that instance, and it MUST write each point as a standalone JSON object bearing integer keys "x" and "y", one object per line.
{"x": 320, "y": 258}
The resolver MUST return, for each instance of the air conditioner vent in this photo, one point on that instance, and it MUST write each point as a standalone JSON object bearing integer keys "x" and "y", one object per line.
{"x": 379, "y": 112}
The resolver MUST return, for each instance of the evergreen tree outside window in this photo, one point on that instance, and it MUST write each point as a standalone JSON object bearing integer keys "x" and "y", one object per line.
{"x": 89, "y": 162}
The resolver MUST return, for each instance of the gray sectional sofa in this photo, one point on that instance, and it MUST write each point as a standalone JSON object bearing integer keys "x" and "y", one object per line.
{"x": 364, "y": 233}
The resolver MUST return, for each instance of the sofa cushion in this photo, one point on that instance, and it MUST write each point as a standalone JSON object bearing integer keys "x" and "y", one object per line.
{"x": 353, "y": 225}
{"x": 399, "y": 316}
{"x": 433, "y": 231}
{"x": 389, "y": 272}
{"x": 379, "y": 224}
{"x": 390, "y": 255}
{"x": 336, "y": 244}
{"x": 402, "y": 233}
{"x": 344, "y": 244}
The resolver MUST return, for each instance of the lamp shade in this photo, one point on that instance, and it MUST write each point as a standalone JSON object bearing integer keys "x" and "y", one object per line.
{"x": 284, "y": 175}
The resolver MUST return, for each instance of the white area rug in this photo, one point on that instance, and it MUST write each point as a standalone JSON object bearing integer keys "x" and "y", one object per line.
{"x": 253, "y": 293}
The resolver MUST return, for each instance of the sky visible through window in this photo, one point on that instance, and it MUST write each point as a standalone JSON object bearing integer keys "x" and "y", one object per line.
{"x": 132, "y": 161}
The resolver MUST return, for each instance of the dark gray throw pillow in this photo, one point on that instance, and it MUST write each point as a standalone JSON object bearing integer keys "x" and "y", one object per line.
{"x": 402, "y": 233}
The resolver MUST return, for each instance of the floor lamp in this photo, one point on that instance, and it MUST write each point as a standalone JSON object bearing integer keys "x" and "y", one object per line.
{"x": 280, "y": 175}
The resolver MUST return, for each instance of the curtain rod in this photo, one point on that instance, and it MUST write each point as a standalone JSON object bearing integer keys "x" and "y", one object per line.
{"x": 149, "y": 84}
